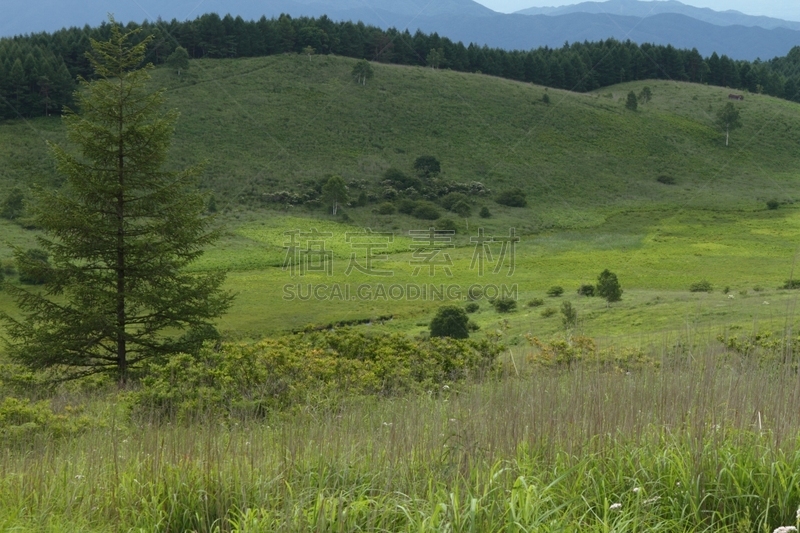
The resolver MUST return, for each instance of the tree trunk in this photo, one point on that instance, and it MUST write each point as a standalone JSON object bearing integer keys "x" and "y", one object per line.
{"x": 122, "y": 362}
{"x": 727, "y": 134}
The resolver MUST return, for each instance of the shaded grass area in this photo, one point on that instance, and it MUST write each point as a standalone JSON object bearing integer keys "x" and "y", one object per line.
{"x": 705, "y": 441}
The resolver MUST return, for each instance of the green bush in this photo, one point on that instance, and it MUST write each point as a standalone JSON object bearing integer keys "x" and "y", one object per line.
{"x": 462, "y": 209}
{"x": 473, "y": 326}
{"x": 700, "y": 286}
{"x": 485, "y": 213}
{"x": 536, "y": 302}
{"x": 555, "y": 291}
{"x": 773, "y": 204}
{"x": 546, "y": 98}
{"x": 586, "y": 290}
{"x": 547, "y": 312}
{"x": 504, "y": 304}
{"x": 386, "y": 208}
{"x": 512, "y": 198}
{"x": 791, "y": 284}
{"x": 427, "y": 166}
{"x": 666, "y": 180}
{"x": 447, "y": 224}
{"x": 426, "y": 211}
{"x": 407, "y": 206}
{"x": 449, "y": 200}
{"x": 281, "y": 373}
{"x": 21, "y": 420}
{"x": 450, "y": 321}
{"x": 472, "y": 307}
{"x": 401, "y": 181}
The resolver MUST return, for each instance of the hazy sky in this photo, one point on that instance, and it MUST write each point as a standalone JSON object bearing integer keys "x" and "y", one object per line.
{"x": 785, "y": 9}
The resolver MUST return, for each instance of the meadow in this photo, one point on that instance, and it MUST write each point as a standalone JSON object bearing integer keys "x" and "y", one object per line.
{"x": 687, "y": 422}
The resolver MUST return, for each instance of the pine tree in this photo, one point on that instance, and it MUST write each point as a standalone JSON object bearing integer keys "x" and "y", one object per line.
{"x": 119, "y": 234}
{"x": 608, "y": 287}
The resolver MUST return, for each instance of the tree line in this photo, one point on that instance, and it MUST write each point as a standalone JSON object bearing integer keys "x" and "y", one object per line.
{"x": 38, "y": 71}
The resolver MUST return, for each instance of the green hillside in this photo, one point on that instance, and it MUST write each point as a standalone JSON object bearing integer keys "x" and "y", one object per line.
{"x": 590, "y": 168}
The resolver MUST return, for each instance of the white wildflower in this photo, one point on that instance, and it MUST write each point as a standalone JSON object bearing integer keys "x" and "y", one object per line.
{"x": 79, "y": 477}
{"x": 636, "y": 489}
{"x": 452, "y": 419}
{"x": 615, "y": 507}
{"x": 387, "y": 424}
{"x": 446, "y": 387}
{"x": 785, "y": 529}
{"x": 730, "y": 296}
{"x": 767, "y": 303}
{"x": 652, "y": 500}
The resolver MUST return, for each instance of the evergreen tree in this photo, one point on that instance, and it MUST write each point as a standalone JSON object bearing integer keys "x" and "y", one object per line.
{"x": 632, "y": 102}
{"x": 608, "y": 287}
{"x": 119, "y": 234}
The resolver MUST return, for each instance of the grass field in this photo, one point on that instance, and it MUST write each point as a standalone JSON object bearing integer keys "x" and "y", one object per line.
{"x": 706, "y": 443}
{"x": 693, "y": 438}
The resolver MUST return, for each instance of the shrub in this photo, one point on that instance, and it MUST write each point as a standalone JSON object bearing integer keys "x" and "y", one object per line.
{"x": 536, "y": 302}
{"x": 401, "y": 181}
{"x": 666, "y": 180}
{"x": 792, "y": 284}
{"x": 426, "y": 211}
{"x": 450, "y": 321}
{"x": 248, "y": 379}
{"x": 485, "y": 213}
{"x": 462, "y": 209}
{"x": 504, "y": 304}
{"x": 547, "y": 312}
{"x": 773, "y": 204}
{"x": 427, "y": 166}
{"x": 407, "y": 206}
{"x": 555, "y": 291}
{"x": 700, "y": 286}
{"x": 512, "y": 198}
{"x": 586, "y": 290}
{"x": 451, "y": 199}
{"x": 473, "y": 326}
{"x": 472, "y": 307}
{"x": 22, "y": 419}
{"x": 447, "y": 224}
{"x": 546, "y": 98}
{"x": 386, "y": 208}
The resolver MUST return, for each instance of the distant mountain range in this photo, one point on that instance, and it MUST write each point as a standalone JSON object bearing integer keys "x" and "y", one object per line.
{"x": 638, "y": 8}
{"x": 662, "y": 22}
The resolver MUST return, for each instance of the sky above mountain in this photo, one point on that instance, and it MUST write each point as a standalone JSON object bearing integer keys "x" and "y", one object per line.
{"x": 785, "y": 9}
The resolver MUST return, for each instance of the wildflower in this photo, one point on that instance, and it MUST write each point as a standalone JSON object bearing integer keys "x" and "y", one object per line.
{"x": 767, "y": 303}
{"x": 452, "y": 420}
{"x": 730, "y": 296}
{"x": 79, "y": 477}
{"x": 652, "y": 500}
{"x": 446, "y": 387}
{"x": 615, "y": 507}
{"x": 785, "y": 529}
{"x": 387, "y": 424}
{"x": 636, "y": 489}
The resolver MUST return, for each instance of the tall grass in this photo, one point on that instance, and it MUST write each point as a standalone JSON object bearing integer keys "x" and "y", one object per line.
{"x": 706, "y": 442}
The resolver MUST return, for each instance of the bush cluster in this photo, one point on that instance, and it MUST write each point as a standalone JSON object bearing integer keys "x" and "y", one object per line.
{"x": 253, "y": 379}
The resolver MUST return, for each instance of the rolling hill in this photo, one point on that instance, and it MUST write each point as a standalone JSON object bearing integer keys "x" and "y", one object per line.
{"x": 589, "y": 166}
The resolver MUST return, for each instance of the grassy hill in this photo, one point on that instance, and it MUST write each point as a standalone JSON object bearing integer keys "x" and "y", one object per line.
{"x": 590, "y": 168}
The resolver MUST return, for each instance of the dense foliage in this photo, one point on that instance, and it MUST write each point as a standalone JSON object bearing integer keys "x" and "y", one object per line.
{"x": 37, "y": 71}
